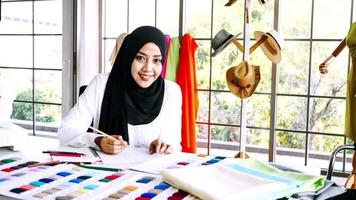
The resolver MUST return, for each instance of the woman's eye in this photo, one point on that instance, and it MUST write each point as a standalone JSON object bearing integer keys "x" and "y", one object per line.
{"x": 139, "y": 57}
{"x": 157, "y": 60}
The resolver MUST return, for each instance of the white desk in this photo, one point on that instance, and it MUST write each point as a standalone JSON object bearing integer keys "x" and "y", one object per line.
{"x": 130, "y": 158}
{"x": 12, "y": 135}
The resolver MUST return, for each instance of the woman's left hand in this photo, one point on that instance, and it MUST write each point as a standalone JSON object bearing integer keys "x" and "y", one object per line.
{"x": 158, "y": 146}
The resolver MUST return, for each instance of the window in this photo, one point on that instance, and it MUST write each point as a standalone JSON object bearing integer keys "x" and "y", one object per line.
{"x": 293, "y": 103}
{"x": 31, "y": 61}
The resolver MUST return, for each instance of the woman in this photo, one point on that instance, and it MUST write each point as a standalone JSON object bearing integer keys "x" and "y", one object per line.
{"x": 133, "y": 103}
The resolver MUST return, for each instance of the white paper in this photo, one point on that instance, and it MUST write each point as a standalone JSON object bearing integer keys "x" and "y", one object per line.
{"x": 127, "y": 158}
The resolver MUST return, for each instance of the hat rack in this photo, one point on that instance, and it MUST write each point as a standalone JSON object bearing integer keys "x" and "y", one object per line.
{"x": 270, "y": 42}
{"x": 246, "y": 50}
{"x": 246, "y": 56}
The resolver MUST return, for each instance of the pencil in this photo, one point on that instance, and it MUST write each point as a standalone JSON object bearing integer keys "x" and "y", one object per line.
{"x": 63, "y": 152}
{"x": 54, "y": 162}
{"x": 101, "y": 132}
{"x": 100, "y": 168}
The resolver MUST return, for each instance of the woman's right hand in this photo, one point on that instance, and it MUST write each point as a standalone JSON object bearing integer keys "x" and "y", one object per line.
{"x": 110, "y": 145}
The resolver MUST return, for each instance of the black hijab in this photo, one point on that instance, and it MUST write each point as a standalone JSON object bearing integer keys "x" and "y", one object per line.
{"x": 124, "y": 101}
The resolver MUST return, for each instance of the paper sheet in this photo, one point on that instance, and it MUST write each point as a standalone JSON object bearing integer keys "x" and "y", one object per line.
{"x": 128, "y": 157}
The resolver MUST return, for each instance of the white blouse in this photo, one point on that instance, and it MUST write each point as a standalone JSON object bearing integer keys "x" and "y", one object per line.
{"x": 166, "y": 126}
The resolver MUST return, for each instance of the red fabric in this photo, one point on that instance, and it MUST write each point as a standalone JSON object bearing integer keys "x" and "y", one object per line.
{"x": 186, "y": 79}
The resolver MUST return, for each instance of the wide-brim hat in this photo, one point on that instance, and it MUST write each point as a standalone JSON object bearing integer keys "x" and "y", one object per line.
{"x": 221, "y": 40}
{"x": 272, "y": 46}
{"x": 242, "y": 80}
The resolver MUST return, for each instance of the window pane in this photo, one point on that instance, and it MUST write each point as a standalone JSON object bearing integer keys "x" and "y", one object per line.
{"x": 320, "y": 149}
{"x": 203, "y": 112}
{"x": 225, "y": 108}
{"x": 258, "y": 58}
{"x": 293, "y": 24}
{"x": 262, "y": 18}
{"x": 202, "y": 64}
{"x": 326, "y": 24}
{"x": 295, "y": 118}
{"x": 48, "y": 52}
{"x": 141, "y": 13}
{"x": 327, "y": 115}
{"x": 16, "y": 51}
{"x": 115, "y": 17}
{"x": 20, "y": 80}
{"x": 198, "y": 15}
{"x": 224, "y": 140}
{"x": 48, "y": 86}
{"x": 225, "y": 134}
{"x": 229, "y": 18}
{"x": 333, "y": 83}
{"x": 22, "y": 113}
{"x": 168, "y": 16}
{"x": 202, "y": 138}
{"x": 290, "y": 145}
{"x": 258, "y": 110}
{"x": 109, "y": 46}
{"x": 48, "y": 17}
{"x": 48, "y": 117}
{"x": 257, "y": 143}
{"x": 16, "y": 18}
{"x": 293, "y": 69}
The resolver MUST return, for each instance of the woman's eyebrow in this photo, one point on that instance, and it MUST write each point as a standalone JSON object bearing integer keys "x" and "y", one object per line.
{"x": 158, "y": 55}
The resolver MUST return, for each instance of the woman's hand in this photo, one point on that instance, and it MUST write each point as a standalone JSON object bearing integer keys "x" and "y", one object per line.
{"x": 158, "y": 146}
{"x": 110, "y": 145}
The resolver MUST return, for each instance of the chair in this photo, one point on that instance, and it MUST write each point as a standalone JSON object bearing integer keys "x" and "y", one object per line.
{"x": 351, "y": 180}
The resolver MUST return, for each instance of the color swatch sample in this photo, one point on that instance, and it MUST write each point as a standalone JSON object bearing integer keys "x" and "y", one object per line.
{"x": 68, "y": 181}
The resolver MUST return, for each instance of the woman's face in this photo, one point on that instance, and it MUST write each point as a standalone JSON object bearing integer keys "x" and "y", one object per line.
{"x": 147, "y": 65}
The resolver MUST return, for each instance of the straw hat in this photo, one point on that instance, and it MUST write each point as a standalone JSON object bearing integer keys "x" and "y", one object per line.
{"x": 272, "y": 45}
{"x": 221, "y": 40}
{"x": 242, "y": 80}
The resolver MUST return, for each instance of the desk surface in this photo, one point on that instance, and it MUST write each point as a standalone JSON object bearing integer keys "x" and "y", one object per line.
{"x": 137, "y": 159}
{"x": 12, "y": 135}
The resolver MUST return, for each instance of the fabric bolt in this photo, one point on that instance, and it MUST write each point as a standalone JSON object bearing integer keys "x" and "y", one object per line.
{"x": 350, "y": 115}
{"x": 186, "y": 79}
{"x": 201, "y": 182}
{"x": 173, "y": 59}
{"x": 164, "y": 66}
{"x": 307, "y": 182}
